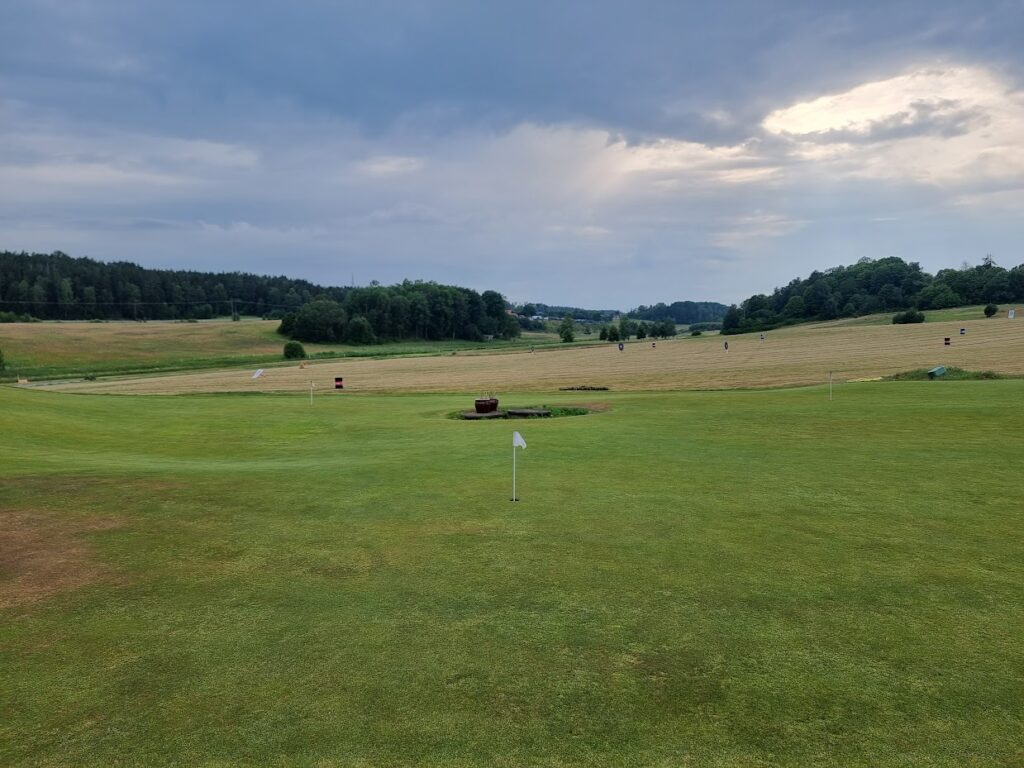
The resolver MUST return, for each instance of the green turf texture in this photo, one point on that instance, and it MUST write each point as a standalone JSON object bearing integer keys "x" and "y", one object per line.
{"x": 690, "y": 579}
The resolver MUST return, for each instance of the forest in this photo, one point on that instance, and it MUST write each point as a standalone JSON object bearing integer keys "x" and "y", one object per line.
{"x": 871, "y": 286}
{"x": 58, "y": 287}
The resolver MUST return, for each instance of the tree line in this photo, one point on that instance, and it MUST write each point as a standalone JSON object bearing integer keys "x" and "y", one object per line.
{"x": 871, "y": 286}
{"x": 56, "y": 286}
{"x": 534, "y": 309}
{"x": 682, "y": 312}
{"x": 409, "y": 310}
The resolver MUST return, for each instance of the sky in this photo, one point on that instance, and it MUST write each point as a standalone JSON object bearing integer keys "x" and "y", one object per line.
{"x": 592, "y": 154}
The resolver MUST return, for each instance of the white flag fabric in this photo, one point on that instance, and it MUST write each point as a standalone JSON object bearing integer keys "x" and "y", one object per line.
{"x": 517, "y": 440}
{"x": 258, "y": 373}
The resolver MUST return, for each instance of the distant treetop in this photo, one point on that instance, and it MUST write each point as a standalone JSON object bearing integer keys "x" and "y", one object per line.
{"x": 874, "y": 285}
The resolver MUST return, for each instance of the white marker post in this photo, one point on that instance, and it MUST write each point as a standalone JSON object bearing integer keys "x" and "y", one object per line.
{"x": 517, "y": 442}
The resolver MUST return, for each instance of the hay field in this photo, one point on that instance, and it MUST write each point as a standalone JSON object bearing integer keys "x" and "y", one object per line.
{"x": 794, "y": 356}
{"x": 84, "y": 343}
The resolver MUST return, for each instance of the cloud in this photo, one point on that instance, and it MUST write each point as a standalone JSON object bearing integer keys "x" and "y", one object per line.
{"x": 931, "y": 125}
{"x": 658, "y": 156}
{"x": 747, "y": 231}
{"x": 385, "y": 166}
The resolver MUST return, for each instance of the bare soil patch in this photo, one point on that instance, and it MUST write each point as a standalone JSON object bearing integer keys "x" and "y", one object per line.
{"x": 42, "y": 555}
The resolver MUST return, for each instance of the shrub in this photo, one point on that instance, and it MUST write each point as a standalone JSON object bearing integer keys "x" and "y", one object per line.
{"x": 2, "y": 364}
{"x": 14, "y": 317}
{"x": 696, "y": 333}
{"x": 990, "y": 309}
{"x": 293, "y": 350}
{"x": 910, "y": 316}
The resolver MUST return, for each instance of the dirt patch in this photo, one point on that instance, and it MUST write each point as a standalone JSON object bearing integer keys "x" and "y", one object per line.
{"x": 42, "y": 555}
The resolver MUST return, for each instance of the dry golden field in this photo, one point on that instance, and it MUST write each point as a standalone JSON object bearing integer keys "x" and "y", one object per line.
{"x": 795, "y": 356}
{"x": 82, "y": 343}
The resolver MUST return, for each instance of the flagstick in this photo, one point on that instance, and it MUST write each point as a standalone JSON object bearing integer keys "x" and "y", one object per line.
{"x": 830, "y": 386}
{"x": 311, "y": 393}
{"x": 514, "y": 472}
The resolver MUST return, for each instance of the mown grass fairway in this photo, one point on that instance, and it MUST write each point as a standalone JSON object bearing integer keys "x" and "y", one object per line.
{"x": 690, "y": 579}
{"x": 797, "y": 355}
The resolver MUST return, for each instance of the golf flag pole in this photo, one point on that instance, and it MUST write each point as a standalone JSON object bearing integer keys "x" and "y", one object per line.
{"x": 830, "y": 386}
{"x": 517, "y": 442}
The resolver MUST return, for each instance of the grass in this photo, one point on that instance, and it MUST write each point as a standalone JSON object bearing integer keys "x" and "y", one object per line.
{"x": 791, "y": 356}
{"x": 742, "y": 578}
{"x": 72, "y": 349}
{"x": 974, "y": 312}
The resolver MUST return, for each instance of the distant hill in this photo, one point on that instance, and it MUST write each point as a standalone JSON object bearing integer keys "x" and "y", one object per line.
{"x": 871, "y": 286}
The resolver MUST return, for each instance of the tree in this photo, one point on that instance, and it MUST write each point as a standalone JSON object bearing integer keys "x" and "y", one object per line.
{"x": 320, "y": 320}
{"x": 938, "y": 295}
{"x": 508, "y": 327}
{"x": 990, "y": 309}
{"x": 795, "y": 307}
{"x": 360, "y": 331}
{"x": 603, "y": 335}
{"x": 641, "y": 331}
{"x": 294, "y": 350}
{"x": 733, "y": 318}
{"x": 566, "y": 329}
{"x": 613, "y": 333}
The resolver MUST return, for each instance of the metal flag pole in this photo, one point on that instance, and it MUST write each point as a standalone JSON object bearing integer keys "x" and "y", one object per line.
{"x": 517, "y": 442}
{"x": 514, "y": 472}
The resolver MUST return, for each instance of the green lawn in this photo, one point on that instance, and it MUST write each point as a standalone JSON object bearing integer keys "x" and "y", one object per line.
{"x": 691, "y": 579}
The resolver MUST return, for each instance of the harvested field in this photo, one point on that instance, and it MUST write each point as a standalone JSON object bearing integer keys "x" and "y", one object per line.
{"x": 794, "y": 356}
{"x": 96, "y": 344}
{"x": 73, "y": 349}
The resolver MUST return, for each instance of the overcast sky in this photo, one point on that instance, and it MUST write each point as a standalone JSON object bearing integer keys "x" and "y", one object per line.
{"x": 585, "y": 153}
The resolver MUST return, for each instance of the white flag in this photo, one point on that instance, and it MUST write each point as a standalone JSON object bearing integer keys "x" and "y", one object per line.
{"x": 517, "y": 440}
{"x": 258, "y": 373}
